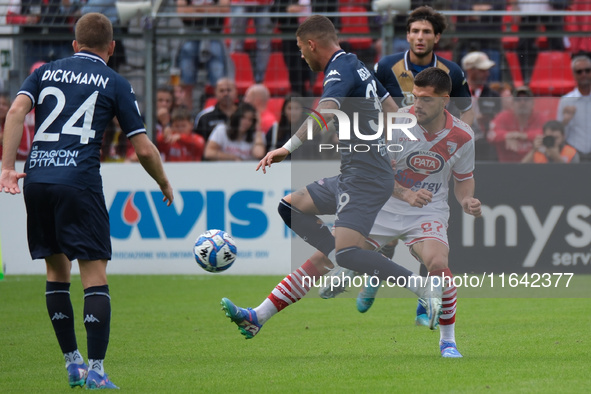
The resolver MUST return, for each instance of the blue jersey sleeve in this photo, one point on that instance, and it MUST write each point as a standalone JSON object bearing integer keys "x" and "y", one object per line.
{"x": 127, "y": 110}
{"x": 385, "y": 75}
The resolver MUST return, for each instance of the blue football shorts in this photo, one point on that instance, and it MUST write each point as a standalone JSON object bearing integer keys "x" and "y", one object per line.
{"x": 354, "y": 200}
{"x": 65, "y": 219}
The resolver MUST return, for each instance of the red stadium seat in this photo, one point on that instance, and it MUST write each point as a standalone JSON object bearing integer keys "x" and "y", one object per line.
{"x": 514, "y": 68}
{"x": 276, "y": 76}
{"x": 210, "y": 102}
{"x": 250, "y": 41}
{"x": 509, "y": 26}
{"x": 274, "y": 105}
{"x": 552, "y": 74}
{"x": 318, "y": 88}
{"x": 356, "y": 25}
{"x": 243, "y": 71}
{"x": 447, "y": 55}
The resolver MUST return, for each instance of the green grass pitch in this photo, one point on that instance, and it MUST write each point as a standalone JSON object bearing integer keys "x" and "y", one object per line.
{"x": 169, "y": 334}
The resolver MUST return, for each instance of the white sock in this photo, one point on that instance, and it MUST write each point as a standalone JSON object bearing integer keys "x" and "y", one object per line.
{"x": 447, "y": 332}
{"x": 333, "y": 258}
{"x": 265, "y": 311}
{"x": 73, "y": 358}
{"x": 416, "y": 283}
{"x": 96, "y": 366}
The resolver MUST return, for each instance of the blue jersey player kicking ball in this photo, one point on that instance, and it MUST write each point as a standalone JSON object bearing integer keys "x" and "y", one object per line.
{"x": 365, "y": 183}
{"x": 67, "y": 219}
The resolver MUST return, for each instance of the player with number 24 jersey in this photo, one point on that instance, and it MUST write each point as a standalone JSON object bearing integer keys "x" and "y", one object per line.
{"x": 79, "y": 96}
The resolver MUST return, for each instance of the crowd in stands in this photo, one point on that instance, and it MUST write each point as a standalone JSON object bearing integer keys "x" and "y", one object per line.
{"x": 242, "y": 119}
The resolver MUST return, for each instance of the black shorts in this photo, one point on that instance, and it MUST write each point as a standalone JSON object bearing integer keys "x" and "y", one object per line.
{"x": 355, "y": 201}
{"x": 64, "y": 219}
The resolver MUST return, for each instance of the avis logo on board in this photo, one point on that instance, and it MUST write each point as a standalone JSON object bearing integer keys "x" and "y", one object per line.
{"x": 145, "y": 211}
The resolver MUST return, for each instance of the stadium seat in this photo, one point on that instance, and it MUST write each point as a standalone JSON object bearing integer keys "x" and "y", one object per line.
{"x": 318, "y": 88}
{"x": 276, "y": 76}
{"x": 509, "y": 26}
{"x": 357, "y": 25}
{"x": 552, "y": 75}
{"x": 274, "y": 105}
{"x": 210, "y": 102}
{"x": 447, "y": 55}
{"x": 250, "y": 42}
{"x": 514, "y": 68}
{"x": 243, "y": 71}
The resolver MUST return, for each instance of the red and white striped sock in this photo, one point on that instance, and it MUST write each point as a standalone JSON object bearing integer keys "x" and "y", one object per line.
{"x": 291, "y": 289}
{"x": 447, "y": 319}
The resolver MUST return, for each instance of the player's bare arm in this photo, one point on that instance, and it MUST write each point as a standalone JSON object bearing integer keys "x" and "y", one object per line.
{"x": 464, "y": 191}
{"x": 13, "y": 132}
{"x": 418, "y": 198}
{"x": 279, "y": 154}
{"x": 467, "y": 116}
{"x": 149, "y": 158}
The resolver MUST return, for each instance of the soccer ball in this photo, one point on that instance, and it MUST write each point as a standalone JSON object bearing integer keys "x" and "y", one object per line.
{"x": 215, "y": 250}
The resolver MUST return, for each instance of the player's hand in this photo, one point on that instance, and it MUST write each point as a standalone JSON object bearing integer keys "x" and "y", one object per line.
{"x": 274, "y": 156}
{"x": 472, "y": 206}
{"x": 418, "y": 199}
{"x": 9, "y": 181}
{"x": 167, "y": 191}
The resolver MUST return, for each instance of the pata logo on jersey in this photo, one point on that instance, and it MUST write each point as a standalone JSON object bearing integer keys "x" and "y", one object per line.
{"x": 361, "y": 130}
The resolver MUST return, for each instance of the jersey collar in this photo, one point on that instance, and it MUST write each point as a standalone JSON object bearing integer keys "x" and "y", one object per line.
{"x": 90, "y": 55}
{"x": 333, "y": 58}
{"x": 407, "y": 62}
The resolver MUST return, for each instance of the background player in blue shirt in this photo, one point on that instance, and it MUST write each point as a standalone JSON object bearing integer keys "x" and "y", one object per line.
{"x": 396, "y": 72}
{"x": 67, "y": 219}
{"x": 365, "y": 183}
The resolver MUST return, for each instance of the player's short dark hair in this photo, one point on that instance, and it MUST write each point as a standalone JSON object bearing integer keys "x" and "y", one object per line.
{"x": 94, "y": 31}
{"x": 180, "y": 114}
{"x": 436, "y": 78}
{"x": 234, "y": 122}
{"x": 426, "y": 13}
{"x": 553, "y": 125}
{"x": 319, "y": 28}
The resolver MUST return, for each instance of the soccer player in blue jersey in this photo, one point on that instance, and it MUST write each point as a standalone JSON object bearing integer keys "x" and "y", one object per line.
{"x": 396, "y": 72}
{"x": 365, "y": 183}
{"x": 74, "y": 99}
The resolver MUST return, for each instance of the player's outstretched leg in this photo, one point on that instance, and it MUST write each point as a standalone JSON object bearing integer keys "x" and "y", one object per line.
{"x": 96, "y": 381}
{"x": 422, "y": 319}
{"x": 77, "y": 374}
{"x": 334, "y": 287}
{"x": 430, "y": 299}
{"x": 290, "y": 290}
{"x": 367, "y": 296}
{"x": 245, "y": 319}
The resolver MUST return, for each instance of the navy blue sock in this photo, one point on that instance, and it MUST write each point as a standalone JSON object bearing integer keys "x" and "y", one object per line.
{"x": 309, "y": 227}
{"x": 59, "y": 306}
{"x": 371, "y": 263}
{"x": 388, "y": 250}
{"x": 97, "y": 320}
